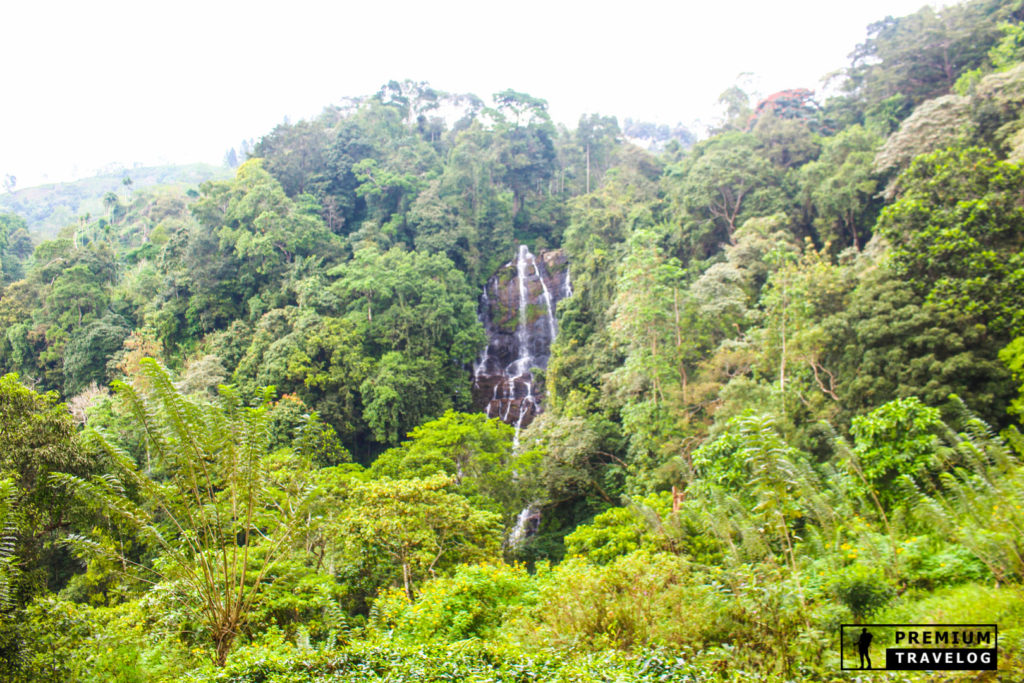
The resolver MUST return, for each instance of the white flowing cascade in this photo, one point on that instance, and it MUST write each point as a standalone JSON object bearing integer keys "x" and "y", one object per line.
{"x": 503, "y": 381}
{"x": 525, "y": 526}
{"x": 517, "y": 389}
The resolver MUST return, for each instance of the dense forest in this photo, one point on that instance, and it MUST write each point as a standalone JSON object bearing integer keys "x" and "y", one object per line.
{"x": 241, "y": 439}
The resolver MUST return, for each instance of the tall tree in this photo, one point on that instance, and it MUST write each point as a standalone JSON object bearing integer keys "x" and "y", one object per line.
{"x": 957, "y": 231}
{"x": 39, "y": 440}
{"x": 920, "y": 56}
{"x": 209, "y": 506}
{"x": 418, "y": 525}
{"x": 722, "y": 182}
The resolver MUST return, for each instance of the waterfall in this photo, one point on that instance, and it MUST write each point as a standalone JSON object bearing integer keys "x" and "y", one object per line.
{"x": 517, "y": 310}
{"x": 524, "y": 362}
{"x": 550, "y": 308}
{"x": 481, "y": 363}
{"x": 526, "y": 525}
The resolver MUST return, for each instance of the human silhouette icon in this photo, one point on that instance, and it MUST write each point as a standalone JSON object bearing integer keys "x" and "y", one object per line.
{"x": 863, "y": 643}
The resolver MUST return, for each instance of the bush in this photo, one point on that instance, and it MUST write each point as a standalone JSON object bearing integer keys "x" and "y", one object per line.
{"x": 613, "y": 533}
{"x": 473, "y": 603}
{"x": 930, "y": 563}
{"x": 638, "y": 600}
{"x": 274, "y": 660}
{"x": 64, "y": 641}
{"x": 295, "y": 598}
{"x": 968, "y": 604}
{"x": 861, "y": 588}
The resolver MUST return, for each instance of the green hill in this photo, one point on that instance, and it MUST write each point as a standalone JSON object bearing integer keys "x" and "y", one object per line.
{"x": 48, "y": 208}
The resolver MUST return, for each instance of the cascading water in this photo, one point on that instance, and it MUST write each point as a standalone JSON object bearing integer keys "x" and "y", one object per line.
{"x": 517, "y": 310}
{"x": 526, "y": 525}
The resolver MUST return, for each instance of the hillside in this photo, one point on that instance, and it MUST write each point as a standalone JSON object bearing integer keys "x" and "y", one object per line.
{"x": 48, "y": 208}
{"x": 408, "y": 397}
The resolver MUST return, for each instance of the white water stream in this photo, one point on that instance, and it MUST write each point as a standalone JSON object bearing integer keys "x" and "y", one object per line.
{"x": 503, "y": 374}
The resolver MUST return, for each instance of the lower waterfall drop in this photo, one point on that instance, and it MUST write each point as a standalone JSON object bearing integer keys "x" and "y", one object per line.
{"x": 526, "y": 525}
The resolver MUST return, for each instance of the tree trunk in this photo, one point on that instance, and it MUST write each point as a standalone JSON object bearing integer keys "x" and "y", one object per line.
{"x": 588, "y": 168}
{"x": 407, "y": 580}
{"x": 223, "y": 640}
{"x": 853, "y": 228}
{"x": 782, "y": 359}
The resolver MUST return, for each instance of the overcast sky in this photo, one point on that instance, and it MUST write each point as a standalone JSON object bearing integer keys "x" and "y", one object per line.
{"x": 87, "y": 84}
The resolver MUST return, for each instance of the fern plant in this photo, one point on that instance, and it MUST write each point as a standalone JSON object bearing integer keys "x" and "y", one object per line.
{"x": 206, "y": 503}
{"x": 980, "y": 501}
{"x": 8, "y": 496}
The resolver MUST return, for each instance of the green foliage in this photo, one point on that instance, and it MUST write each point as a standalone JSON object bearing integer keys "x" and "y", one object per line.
{"x": 839, "y": 185}
{"x": 1013, "y": 357}
{"x": 724, "y": 182}
{"x": 931, "y": 561}
{"x": 48, "y": 208}
{"x": 889, "y": 343}
{"x": 648, "y": 524}
{"x": 299, "y": 602}
{"x": 87, "y": 353}
{"x": 207, "y": 509}
{"x": 39, "y": 441}
{"x": 995, "y": 108}
{"x": 791, "y": 340}
{"x": 922, "y": 55}
{"x": 736, "y": 313}
{"x": 411, "y": 301}
{"x": 276, "y": 661}
{"x": 749, "y": 454}
{"x": 293, "y": 425}
{"x": 578, "y": 457}
{"x": 979, "y": 502}
{"x": 319, "y": 442}
{"x": 895, "y": 440}
{"x": 640, "y": 599}
{"x": 785, "y": 136}
{"x": 967, "y": 604}
{"x": 477, "y": 451}
{"x": 391, "y": 394}
{"x": 53, "y": 631}
{"x": 1010, "y": 49}
{"x": 400, "y": 532}
{"x": 15, "y": 247}
{"x": 473, "y": 603}
{"x": 935, "y": 125}
{"x": 864, "y": 590}
{"x": 8, "y": 537}
{"x": 615, "y": 532}
{"x": 956, "y": 232}
{"x": 318, "y": 359}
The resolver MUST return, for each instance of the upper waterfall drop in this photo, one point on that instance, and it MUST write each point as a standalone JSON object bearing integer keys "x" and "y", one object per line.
{"x": 517, "y": 309}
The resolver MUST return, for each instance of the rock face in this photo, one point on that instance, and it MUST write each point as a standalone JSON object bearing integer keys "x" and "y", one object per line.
{"x": 517, "y": 310}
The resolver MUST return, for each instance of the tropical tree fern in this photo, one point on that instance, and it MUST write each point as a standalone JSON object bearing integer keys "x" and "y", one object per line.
{"x": 980, "y": 502}
{"x": 211, "y": 511}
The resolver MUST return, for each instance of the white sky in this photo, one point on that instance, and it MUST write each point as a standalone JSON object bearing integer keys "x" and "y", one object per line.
{"x": 89, "y": 83}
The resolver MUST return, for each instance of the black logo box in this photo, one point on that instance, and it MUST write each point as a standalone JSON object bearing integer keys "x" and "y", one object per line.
{"x": 925, "y": 658}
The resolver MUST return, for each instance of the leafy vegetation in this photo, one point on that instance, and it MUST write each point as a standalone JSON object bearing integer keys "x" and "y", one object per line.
{"x": 48, "y": 208}
{"x": 785, "y": 393}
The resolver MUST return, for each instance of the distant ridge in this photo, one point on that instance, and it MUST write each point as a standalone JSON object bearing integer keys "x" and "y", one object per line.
{"x": 48, "y": 208}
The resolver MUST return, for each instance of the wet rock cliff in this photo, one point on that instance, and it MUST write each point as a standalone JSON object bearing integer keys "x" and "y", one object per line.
{"x": 517, "y": 310}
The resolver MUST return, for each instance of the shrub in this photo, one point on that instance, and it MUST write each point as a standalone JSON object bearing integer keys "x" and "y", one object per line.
{"x": 861, "y": 588}
{"x": 640, "y": 599}
{"x": 473, "y": 603}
